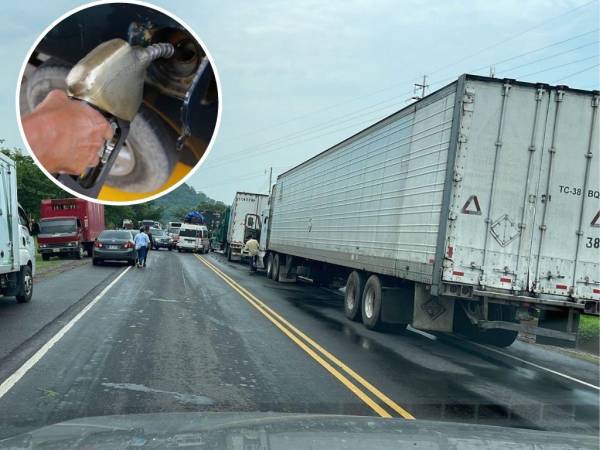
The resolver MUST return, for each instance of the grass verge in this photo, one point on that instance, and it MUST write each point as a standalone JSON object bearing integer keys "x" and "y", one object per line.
{"x": 588, "y": 338}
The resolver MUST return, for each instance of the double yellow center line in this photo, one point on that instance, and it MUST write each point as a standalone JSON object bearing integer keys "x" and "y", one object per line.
{"x": 328, "y": 361}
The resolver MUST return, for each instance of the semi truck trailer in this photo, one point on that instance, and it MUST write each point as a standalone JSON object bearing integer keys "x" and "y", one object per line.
{"x": 69, "y": 227}
{"x": 475, "y": 210}
{"x": 17, "y": 247}
{"x": 244, "y": 221}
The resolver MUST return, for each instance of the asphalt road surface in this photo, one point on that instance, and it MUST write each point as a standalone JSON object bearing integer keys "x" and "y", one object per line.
{"x": 196, "y": 333}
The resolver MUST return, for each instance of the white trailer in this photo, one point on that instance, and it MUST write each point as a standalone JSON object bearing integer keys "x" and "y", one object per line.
{"x": 244, "y": 221}
{"x": 475, "y": 209}
{"x": 17, "y": 248}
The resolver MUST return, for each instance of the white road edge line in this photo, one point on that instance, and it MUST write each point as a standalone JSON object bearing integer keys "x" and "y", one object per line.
{"x": 537, "y": 366}
{"x": 33, "y": 360}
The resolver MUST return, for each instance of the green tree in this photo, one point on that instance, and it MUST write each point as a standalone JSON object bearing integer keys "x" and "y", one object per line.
{"x": 32, "y": 184}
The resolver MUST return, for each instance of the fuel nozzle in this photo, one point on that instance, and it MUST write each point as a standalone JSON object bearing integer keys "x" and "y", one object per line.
{"x": 111, "y": 76}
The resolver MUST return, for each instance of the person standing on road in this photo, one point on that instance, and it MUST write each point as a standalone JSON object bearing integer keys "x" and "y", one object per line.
{"x": 150, "y": 237}
{"x": 251, "y": 247}
{"x": 142, "y": 241}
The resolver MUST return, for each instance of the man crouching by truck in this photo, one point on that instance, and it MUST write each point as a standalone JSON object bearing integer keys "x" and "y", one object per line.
{"x": 251, "y": 246}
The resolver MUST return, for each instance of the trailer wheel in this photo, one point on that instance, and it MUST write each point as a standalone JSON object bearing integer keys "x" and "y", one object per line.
{"x": 353, "y": 295}
{"x": 371, "y": 303}
{"x": 276, "y": 267}
{"x": 269, "y": 266}
{"x": 229, "y": 254}
{"x": 25, "y": 285}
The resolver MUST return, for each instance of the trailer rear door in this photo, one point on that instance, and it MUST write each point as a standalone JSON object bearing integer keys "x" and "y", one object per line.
{"x": 566, "y": 240}
{"x": 497, "y": 164}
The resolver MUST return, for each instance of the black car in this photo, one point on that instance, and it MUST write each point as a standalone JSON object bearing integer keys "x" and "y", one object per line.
{"x": 114, "y": 245}
{"x": 161, "y": 239}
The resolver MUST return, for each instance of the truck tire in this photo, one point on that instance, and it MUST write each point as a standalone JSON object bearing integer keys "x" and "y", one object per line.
{"x": 25, "y": 285}
{"x": 371, "y": 303}
{"x": 229, "y": 254}
{"x": 45, "y": 256}
{"x": 353, "y": 295}
{"x": 276, "y": 267}
{"x": 269, "y": 266}
{"x": 80, "y": 252}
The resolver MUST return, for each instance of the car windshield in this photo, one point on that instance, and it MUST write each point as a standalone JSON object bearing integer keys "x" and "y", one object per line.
{"x": 115, "y": 234}
{"x": 189, "y": 232}
{"x": 58, "y": 226}
{"x": 156, "y": 232}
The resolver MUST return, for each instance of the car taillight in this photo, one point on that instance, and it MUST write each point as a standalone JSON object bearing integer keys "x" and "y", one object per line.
{"x": 98, "y": 244}
{"x": 128, "y": 245}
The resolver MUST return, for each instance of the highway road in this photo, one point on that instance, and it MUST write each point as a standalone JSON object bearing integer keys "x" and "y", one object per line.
{"x": 196, "y": 333}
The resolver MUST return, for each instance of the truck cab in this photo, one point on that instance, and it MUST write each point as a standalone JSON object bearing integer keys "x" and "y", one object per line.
{"x": 17, "y": 247}
{"x": 61, "y": 236}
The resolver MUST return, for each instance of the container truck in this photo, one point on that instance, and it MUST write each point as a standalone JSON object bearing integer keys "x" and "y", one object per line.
{"x": 474, "y": 210}
{"x": 17, "y": 247}
{"x": 244, "y": 221}
{"x": 219, "y": 238}
{"x": 69, "y": 227}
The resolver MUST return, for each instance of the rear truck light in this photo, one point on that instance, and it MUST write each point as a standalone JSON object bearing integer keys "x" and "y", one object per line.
{"x": 505, "y": 280}
{"x": 450, "y": 252}
{"x": 596, "y": 291}
{"x": 561, "y": 286}
{"x": 43, "y": 245}
{"x": 458, "y": 273}
{"x": 98, "y": 244}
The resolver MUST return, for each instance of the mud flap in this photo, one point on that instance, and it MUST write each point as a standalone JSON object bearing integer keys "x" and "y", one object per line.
{"x": 432, "y": 313}
{"x": 397, "y": 304}
{"x": 559, "y": 321}
{"x": 287, "y": 271}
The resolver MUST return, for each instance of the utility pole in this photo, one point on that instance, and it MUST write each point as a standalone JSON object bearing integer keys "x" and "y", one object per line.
{"x": 270, "y": 179}
{"x": 492, "y": 71}
{"x": 422, "y": 87}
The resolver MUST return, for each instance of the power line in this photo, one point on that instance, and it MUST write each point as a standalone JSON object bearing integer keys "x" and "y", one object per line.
{"x": 336, "y": 120}
{"x": 358, "y": 114}
{"x": 576, "y": 73}
{"x": 370, "y": 121}
{"x": 549, "y": 57}
{"x": 351, "y": 100}
{"x": 503, "y": 41}
{"x": 559, "y": 66}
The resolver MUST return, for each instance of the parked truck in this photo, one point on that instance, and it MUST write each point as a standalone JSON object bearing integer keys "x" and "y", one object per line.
{"x": 218, "y": 239}
{"x": 17, "y": 247}
{"x": 244, "y": 221}
{"x": 474, "y": 210}
{"x": 69, "y": 227}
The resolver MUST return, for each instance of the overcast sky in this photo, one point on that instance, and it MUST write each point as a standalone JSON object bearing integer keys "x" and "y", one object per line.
{"x": 297, "y": 77}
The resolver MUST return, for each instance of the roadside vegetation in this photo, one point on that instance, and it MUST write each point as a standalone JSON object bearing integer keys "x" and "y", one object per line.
{"x": 589, "y": 334}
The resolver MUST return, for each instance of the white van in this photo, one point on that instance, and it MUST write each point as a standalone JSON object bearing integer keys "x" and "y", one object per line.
{"x": 193, "y": 238}
{"x": 17, "y": 248}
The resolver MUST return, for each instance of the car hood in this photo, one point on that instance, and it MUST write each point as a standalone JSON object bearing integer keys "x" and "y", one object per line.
{"x": 283, "y": 431}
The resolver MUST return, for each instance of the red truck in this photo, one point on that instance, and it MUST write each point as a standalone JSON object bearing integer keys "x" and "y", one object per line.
{"x": 69, "y": 227}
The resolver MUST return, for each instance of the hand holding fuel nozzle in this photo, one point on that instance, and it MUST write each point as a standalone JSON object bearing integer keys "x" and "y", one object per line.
{"x": 107, "y": 85}
{"x": 66, "y": 134}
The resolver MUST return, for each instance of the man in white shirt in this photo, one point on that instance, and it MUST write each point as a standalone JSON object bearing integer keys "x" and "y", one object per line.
{"x": 142, "y": 241}
{"x": 251, "y": 247}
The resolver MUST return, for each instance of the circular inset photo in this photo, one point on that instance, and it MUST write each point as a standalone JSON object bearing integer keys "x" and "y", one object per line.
{"x": 118, "y": 102}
